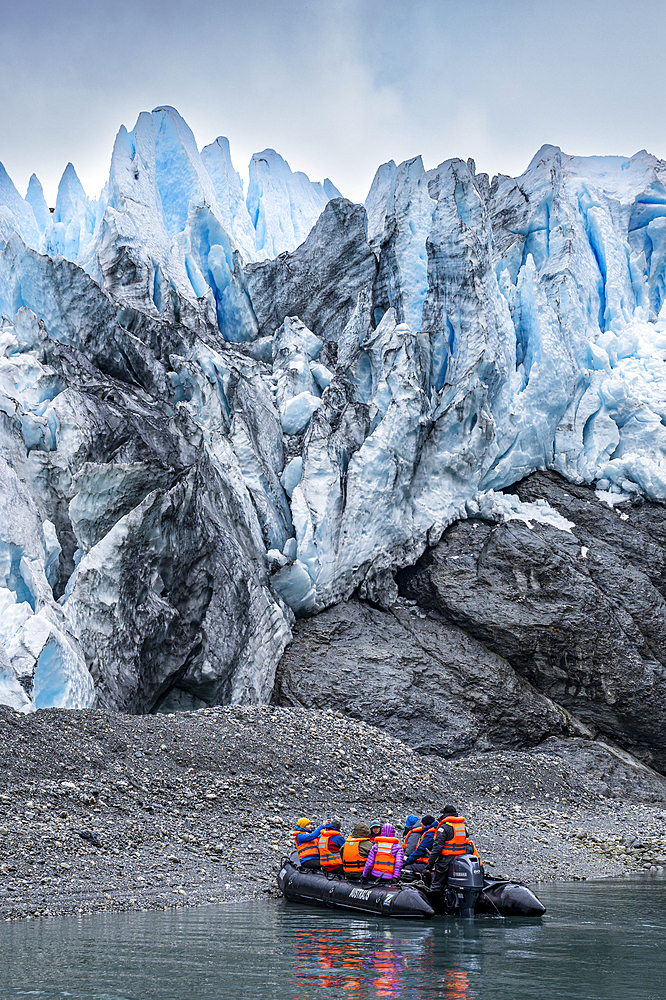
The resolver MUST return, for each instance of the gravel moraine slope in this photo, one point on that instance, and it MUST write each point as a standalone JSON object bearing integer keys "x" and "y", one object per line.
{"x": 103, "y": 811}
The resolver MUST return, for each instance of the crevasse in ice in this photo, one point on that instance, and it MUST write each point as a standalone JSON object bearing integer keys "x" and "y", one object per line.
{"x": 181, "y": 358}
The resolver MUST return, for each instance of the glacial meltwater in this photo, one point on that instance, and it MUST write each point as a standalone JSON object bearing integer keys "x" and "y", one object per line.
{"x": 599, "y": 941}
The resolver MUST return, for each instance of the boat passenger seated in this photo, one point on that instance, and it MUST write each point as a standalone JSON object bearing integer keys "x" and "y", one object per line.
{"x": 410, "y": 823}
{"x": 375, "y": 828}
{"x": 356, "y": 851}
{"x": 305, "y": 838}
{"x": 385, "y": 858}
{"x": 418, "y": 859}
{"x": 330, "y": 845}
{"x": 411, "y": 837}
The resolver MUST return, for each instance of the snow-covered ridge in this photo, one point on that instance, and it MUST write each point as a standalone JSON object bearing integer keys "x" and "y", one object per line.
{"x": 292, "y": 429}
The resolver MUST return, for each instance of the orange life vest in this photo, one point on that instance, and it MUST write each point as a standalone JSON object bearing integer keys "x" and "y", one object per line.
{"x": 474, "y": 850}
{"x": 423, "y": 855}
{"x": 307, "y": 850}
{"x": 329, "y": 857}
{"x": 384, "y": 860}
{"x": 352, "y": 860}
{"x": 460, "y": 841}
{"x": 415, "y": 829}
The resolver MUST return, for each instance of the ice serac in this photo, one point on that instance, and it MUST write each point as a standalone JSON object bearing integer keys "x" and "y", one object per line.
{"x": 283, "y": 205}
{"x": 537, "y": 346}
{"x": 175, "y": 226}
{"x": 397, "y": 448}
{"x": 162, "y": 248}
{"x": 229, "y": 193}
{"x": 16, "y": 215}
{"x": 73, "y": 219}
{"x": 41, "y": 662}
{"x": 143, "y": 448}
{"x": 377, "y": 199}
{"x": 403, "y": 261}
{"x": 321, "y": 281}
{"x": 35, "y": 198}
{"x": 585, "y": 224}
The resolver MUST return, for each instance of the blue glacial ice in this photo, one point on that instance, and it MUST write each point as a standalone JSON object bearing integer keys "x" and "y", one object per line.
{"x": 283, "y": 205}
{"x": 35, "y": 198}
{"x": 475, "y": 331}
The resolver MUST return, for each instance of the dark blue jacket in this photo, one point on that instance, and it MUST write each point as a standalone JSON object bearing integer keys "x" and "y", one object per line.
{"x": 424, "y": 849}
{"x": 303, "y": 837}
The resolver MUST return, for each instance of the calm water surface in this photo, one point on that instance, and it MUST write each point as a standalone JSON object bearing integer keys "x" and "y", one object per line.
{"x": 598, "y": 941}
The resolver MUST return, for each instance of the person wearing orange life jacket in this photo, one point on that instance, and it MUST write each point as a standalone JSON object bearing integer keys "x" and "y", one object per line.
{"x": 330, "y": 846}
{"x": 305, "y": 838}
{"x": 418, "y": 858}
{"x": 411, "y": 822}
{"x": 356, "y": 850}
{"x": 385, "y": 858}
{"x": 412, "y": 838}
{"x": 450, "y": 842}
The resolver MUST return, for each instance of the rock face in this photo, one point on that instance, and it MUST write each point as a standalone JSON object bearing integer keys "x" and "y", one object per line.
{"x": 580, "y": 614}
{"x": 615, "y": 774}
{"x": 416, "y": 676}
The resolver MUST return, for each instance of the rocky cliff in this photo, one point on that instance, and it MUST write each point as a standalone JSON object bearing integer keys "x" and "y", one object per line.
{"x": 506, "y": 633}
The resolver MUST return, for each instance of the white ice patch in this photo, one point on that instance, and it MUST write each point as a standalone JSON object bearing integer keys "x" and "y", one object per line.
{"x": 610, "y": 497}
{"x": 294, "y": 585}
{"x": 296, "y": 413}
{"x": 508, "y": 507}
{"x": 291, "y": 476}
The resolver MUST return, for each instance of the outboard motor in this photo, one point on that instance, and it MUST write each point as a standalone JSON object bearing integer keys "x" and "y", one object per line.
{"x": 464, "y": 885}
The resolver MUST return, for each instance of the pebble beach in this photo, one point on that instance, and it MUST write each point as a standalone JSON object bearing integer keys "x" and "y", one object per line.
{"x": 102, "y": 811}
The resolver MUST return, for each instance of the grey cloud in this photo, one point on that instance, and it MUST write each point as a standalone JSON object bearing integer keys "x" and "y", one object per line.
{"x": 338, "y": 87}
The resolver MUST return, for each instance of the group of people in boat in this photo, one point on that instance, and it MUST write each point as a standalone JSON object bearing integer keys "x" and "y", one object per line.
{"x": 373, "y": 851}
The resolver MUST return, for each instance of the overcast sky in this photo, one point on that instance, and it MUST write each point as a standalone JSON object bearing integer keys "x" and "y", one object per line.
{"x": 336, "y": 86}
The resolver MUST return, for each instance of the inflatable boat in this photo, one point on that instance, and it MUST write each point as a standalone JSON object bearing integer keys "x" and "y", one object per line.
{"x": 468, "y": 893}
{"x": 504, "y": 898}
{"x": 391, "y": 899}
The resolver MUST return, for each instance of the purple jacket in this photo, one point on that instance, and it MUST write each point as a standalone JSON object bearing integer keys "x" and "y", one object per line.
{"x": 396, "y": 850}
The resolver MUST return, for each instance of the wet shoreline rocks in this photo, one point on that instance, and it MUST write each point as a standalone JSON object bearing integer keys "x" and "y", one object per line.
{"x": 105, "y": 811}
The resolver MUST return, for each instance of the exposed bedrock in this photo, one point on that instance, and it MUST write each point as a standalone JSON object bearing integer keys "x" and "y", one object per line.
{"x": 580, "y": 614}
{"x": 417, "y": 676}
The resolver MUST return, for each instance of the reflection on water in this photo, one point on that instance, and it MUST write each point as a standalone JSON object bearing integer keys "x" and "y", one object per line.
{"x": 598, "y": 941}
{"x": 364, "y": 962}
{"x": 362, "y": 965}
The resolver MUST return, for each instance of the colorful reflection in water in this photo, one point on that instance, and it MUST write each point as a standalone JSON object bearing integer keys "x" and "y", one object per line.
{"x": 359, "y": 964}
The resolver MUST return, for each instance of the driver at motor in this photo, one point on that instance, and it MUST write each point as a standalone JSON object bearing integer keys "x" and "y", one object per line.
{"x": 451, "y": 841}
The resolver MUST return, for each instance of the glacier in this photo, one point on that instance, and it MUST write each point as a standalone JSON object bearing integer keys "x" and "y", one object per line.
{"x": 222, "y": 409}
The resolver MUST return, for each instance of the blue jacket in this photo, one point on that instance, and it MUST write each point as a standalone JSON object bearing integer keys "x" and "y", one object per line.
{"x": 303, "y": 837}
{"x": 424, "y": 849}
